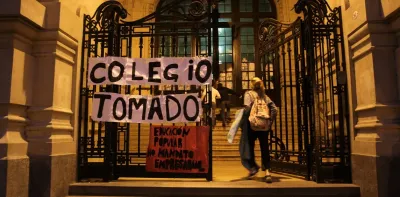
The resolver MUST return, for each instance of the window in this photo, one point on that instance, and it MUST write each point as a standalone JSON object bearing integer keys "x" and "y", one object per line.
{"x": 184, "y": 46}
{"x": 247, "y": 56}
{"x": 245, "y": 15}
{"x": 203, "y": 46}
{"x": 225, "y": 6}
{"x": 172, "y": 45}
{"x": 225, "y": 48}
{"x": 165, "y": 47}
{"x": 246, "y": 5}
{"x": 264, "y": 6}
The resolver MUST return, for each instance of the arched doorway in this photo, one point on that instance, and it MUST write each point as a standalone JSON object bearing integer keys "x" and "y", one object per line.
{"x": 238, "y": 59}
{"x": 237, "y": 43}
{"x": 304, "y": 143}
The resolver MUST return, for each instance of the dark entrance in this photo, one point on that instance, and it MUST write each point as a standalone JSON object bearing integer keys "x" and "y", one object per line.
{"x": 302, "y": 65}
{"x": 304, "y": 70}
{"x": 178, "y": 28}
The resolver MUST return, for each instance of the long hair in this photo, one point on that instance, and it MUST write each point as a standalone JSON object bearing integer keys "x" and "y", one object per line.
{"x": 258, "y": 86}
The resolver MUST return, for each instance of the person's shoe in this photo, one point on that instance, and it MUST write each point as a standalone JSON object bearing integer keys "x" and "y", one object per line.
{"x": 268, "y": 179}
{"x": 252, "y": 173}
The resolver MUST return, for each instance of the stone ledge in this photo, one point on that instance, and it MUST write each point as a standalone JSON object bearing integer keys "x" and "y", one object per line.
{"x": 12, "y": 124}
{"x": 60, "y": 17}
{"x": 390, "y": 8}
{"x": 29, "y": 9}
{"x": 372, "y": 144}
{"x": 201, "y": 188}
{"x": 51, "y": 147}
{"x": 44, "y": 117}
{"x": 383, "y": 116}
{"x": 19, "y": 25}
{"x": 367, "y": 28}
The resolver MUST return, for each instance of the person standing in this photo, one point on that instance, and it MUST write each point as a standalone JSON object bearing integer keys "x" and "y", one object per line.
{"x": 214, "y": 96}
{"x": 249, "y": 135}
{"x": 225, "y": 102}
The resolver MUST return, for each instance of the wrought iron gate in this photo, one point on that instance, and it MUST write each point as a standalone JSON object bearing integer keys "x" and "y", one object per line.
{"x": 176, "y": 28}
{"x": 303, "y": 67}
{"x": 305, "y": 62}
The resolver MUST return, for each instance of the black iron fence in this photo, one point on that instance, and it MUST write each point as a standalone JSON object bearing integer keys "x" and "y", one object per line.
{"x": 177, "y": 29}
{"x": 304, "y": 71}
{"x": 303, "y": 67}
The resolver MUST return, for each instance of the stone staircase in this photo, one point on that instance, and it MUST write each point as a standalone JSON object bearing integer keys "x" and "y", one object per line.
{"x": 222, "y": 149}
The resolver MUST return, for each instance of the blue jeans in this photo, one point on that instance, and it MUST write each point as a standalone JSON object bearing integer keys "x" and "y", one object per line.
{"x": 250, "y": 164}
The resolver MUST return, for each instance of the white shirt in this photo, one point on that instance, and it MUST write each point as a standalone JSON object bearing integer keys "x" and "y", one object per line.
{"x": 214, "y": 95}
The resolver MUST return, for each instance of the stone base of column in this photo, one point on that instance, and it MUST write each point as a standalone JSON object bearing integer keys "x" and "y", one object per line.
{"x": 377, "y": 176}
{"x": 14, "y": 177}
{"x": 50, "y": 176}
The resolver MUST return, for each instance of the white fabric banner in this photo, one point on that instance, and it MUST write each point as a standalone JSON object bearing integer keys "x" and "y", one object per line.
{"x": 150, "y": 71}
{"x": 112, "y": 107}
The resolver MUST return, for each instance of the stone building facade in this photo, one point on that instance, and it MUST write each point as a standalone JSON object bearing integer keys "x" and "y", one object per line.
{"x": 40, "y": 51}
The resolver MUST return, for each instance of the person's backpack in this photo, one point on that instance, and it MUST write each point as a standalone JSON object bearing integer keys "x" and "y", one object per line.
{"x": 259, "y": 115}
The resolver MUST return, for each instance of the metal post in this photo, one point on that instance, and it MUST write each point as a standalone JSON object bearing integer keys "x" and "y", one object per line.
{"x": 111, "y": 127}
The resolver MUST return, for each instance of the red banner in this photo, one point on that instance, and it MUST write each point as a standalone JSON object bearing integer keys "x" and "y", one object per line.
{"x": 181, "y": 149}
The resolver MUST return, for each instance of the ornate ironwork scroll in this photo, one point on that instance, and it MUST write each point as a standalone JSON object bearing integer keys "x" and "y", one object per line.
{"x": 315, "y": 10}
{"x": 107, "y": 14}
{"x": 172, "y": 10}
{"x": 268, "y": 31}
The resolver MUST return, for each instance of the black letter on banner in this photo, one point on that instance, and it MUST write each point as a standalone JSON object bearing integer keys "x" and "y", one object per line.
{"x": 193, "y": 118}
{"x": 134, "y": 71}
{"x": 168, "y": 98}
{"x": 155, "y": 109}
{"x": 156, "y": 131}
{"x": 137, "y": 105}
{"x": 102, "y": 98}
{"x": 123, "y": 108}
{"x": 173, "y": 76}
{"x": 152, "y": 72}
{"x": 190, "y": 70}
{"x": 93, "y": 78}
{"x": 208, "y": 65}
{"x": 121, "y": 71}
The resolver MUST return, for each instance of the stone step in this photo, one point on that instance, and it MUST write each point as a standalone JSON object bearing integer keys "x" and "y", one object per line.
{"x": 231, "y": 158}
{"x": 274, "y": 127}
{"x": 219, "y": 147}
{"x": 219, "y": 126}
{"x": 231, "y": 152}
{"x": 222, "y": 150}
{"x": 190, "y": 188}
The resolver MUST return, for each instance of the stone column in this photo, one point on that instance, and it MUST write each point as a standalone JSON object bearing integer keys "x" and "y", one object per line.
{"x": 376, "y": 144}
{"x": 50, "y": 133}
{"x": 18, "y": 27}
